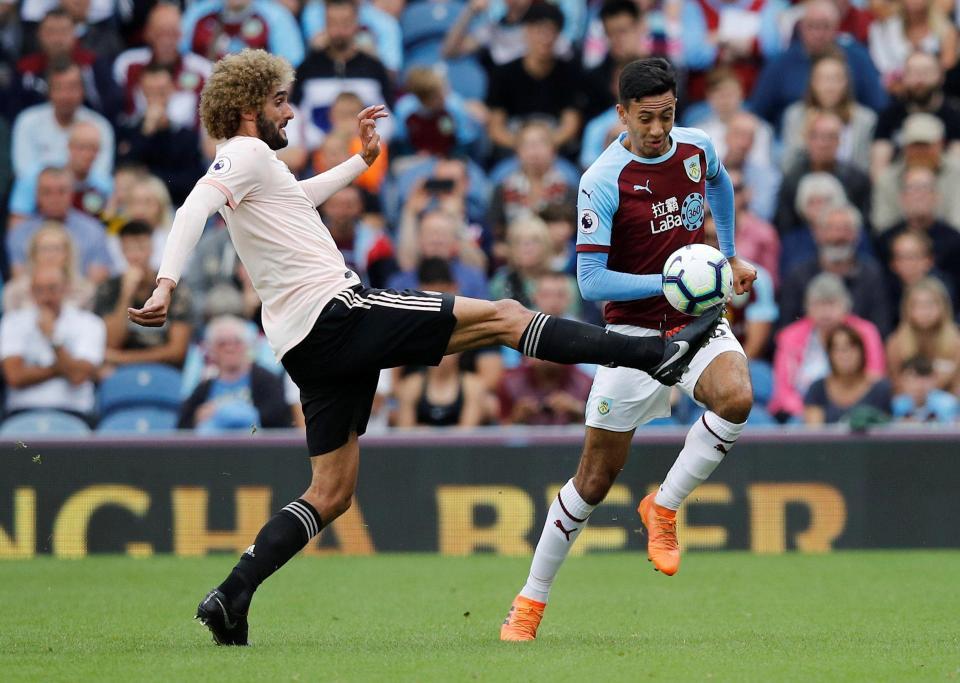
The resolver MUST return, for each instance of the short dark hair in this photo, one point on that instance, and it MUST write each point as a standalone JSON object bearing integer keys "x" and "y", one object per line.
{"x": 156, "y": 68}
{"x": 645, "y": 77}
{"x": 60, "y": 65}
{"x": 613, "y": 8}
{"x": 555, "y": 212}
{"x": 135, "y": 229}
{"x": 544, "y": 11}
{"x": 435, "y": 271}
{"x": 58, "y": 13}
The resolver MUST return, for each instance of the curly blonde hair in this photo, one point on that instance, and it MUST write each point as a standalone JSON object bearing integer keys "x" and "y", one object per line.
{"x": 240, "y": 83}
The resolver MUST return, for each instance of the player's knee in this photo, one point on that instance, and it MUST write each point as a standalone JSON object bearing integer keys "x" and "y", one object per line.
{"x": 329, "y": 501}
{"x": 594, "y": 486}
{"x": 735, "y": 405}
{"x": 509, "y": 310}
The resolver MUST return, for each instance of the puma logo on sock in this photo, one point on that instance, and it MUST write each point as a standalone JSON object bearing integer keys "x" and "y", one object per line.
{"x": 566, "y": 532}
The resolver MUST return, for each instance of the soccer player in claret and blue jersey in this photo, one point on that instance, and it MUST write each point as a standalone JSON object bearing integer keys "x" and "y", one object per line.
{"x": 638, "y": 203}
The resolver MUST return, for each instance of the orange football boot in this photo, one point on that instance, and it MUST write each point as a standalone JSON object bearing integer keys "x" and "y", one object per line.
{"x": 522, "y": 619}
{"x": 661, "y": 523}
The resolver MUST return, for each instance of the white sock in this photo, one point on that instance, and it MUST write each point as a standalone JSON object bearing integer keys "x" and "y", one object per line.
{"x": 709, "y": 439}
{"x": 565, "y": 520}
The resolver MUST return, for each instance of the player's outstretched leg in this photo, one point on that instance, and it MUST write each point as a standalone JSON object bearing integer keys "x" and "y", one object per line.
{"x": 725, "y": 388}
{"x": 224, "y": 610}
{"x": 483, "y": 323}
{"x": 604, "y": 455}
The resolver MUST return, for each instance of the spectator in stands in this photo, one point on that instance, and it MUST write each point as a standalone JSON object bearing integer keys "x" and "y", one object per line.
{"x": 562, "y": 227}
{"x": 628, "y": 38}
{"x": 536, "y": 183}
{"x": 41, "y": 132}
{"x": 757, "y": 240}
{"x": 58, "y": 44}
{"x": 94, "y": 31}
{"x": 241, "y": 394}
{"x": 126, "y": 175}
{"x": 536, "y": 85}
{"x": 431, "y": 120}
{"x": 724, "y": 106}
{"x": 911, "y": 26}
{"x": 543, "y": 393}
{"x": 784, "y": 78}
{"x": 922, "y": 92}
{"x": 343, "y": 122}
{"x": 847, "y": 389}
{"x": 837, "y": 231}
{"x": 823, "y": 133}
{"x": 149, "y": 202}
{"x": 90, "y": 190}
{"x": 816, "y": 193}
{"x": 800, "y": 356}
{"x": 51, "y": 350}
{"x": 436, "y": 234}
{"x": 911, "y": 259}
{"x": 922, "y": 142}
{"x": 830, "y": 90}
{"x": 54, "y": 199}
{"x": 190, "y": 71}
{"x": 152, "y": 138}
{"x": 379, "y": 33}
{"x": 50, "y": 246}
{"x": 216, "y": 28}
{"x": 752, "y": 314}
{"x": 919, "y": 200}
{"x": 763, "y": 177}
{"x": 365, "y": 248}
{"x": 496, "y": 40}
{"x": 854, "y": 20}
{"x": 128, "y": 343}
{"x": 736, "y": 35}
{"x": 528, "y": 258}
{"x": 604, "y": 128}
{"x": 927, "y": 329}
{"x": 919, "y": 399}
{"x": 441, "y": 396}
{"x": 338, "y": 66}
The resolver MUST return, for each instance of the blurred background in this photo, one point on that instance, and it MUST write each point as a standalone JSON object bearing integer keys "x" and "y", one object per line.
{"x": 836, "y": 119}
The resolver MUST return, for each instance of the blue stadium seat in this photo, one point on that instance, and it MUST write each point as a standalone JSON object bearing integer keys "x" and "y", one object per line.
{"x": 424, "y": 26}
{"x": 140, "y": 386}
{"x": 37, "y": 422}
{"x": 138, "y": 421}
{"x": 761, "y": 377}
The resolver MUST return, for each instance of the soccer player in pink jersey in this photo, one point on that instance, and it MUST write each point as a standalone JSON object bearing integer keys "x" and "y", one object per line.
{"x": 640, "y": 201}
{"x": 332, "y": 334}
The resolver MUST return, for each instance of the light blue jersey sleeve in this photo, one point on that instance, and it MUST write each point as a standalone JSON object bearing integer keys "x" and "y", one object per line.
{"x": 597, "y": 202}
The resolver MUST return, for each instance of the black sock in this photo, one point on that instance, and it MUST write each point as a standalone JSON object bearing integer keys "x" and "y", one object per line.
{"x": 568, "y": 341}
{"x": 282, "y": 537}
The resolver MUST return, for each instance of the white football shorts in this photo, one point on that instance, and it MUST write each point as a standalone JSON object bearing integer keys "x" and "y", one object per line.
{"x": 622, "y": 399}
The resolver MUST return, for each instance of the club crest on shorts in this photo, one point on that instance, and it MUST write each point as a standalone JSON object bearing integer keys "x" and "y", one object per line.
{"x": 692, "y": 166}
{"x": 691, "y": 212}
{"x": 589, "y": 221}
{"x": 603, "y": 407}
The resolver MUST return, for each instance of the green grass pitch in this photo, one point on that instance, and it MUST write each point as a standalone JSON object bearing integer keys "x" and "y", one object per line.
{"x": 866, "y": 616}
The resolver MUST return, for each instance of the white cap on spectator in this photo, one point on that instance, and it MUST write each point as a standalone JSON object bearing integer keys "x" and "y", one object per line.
{"x": 922, "y": 128}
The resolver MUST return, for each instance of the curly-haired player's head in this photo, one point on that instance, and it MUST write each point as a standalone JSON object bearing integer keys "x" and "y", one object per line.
{"x": 647, "y": 105}
{"x": 247, "y": 93}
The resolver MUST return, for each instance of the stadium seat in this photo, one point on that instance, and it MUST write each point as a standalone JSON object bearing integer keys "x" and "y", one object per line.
{"x": 761, "y": 377}
{"x": 36, "y": 422}
{"x": 424, "y": 26}
{"x": 138, "y": 421}
{"x": 140, "y": 386}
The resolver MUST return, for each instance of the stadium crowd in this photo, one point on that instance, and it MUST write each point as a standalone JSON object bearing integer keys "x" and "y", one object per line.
{"x": 837, "y": 122}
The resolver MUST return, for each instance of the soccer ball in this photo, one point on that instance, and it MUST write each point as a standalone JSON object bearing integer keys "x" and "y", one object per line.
{"x": 696, "y": 278}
